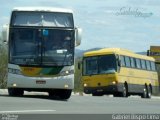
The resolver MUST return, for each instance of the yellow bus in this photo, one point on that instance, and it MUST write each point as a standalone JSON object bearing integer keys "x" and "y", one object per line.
{"x": 155, "y": 53}
{"x": 119, "y": 72}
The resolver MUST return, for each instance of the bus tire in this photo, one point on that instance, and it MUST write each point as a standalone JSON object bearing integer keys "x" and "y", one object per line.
{"x": 65, "y": 94}
{"x": 51, "y": 94}
{"x": 62, "y": 94}
{"x": 15, "y": 92}
{"x": 144, "y": 94}
{"x": 97, "y": 94}
{"x": 149, "y": 92}
{"x": 117, "y": 94}
{"x": 124, "y": 92}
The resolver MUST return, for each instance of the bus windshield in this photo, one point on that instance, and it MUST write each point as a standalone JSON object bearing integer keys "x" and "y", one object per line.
{"x": 30, "y": 46}
{"x": 99, "y": 65}
{"x": 50, "y": 19}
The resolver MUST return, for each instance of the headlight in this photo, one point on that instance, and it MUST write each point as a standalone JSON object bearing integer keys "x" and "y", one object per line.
{"x": 85, "y": 85}
{"x": 114, "y": 82}
{"x": 10, "y": 70}
{"x": 67, "y": 72}
{"x": 14, "y": 71}
{"x": 18, "y": 72}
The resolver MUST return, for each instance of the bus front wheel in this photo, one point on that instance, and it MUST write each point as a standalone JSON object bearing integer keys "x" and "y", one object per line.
{"x": 124, "y": 92}
{"x": 64, "y": 94}
{"x": 15, "y": 92}
{"x": 97, "y": 94}
{"x": 117, "y": 94}
{"x": 61, "y": 94}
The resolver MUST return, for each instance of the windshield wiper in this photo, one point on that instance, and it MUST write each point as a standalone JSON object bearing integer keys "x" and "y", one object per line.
{"x": 65, "y": 57}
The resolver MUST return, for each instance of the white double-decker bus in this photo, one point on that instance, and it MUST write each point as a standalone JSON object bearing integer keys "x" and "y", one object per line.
{"x": 41, "y": 44}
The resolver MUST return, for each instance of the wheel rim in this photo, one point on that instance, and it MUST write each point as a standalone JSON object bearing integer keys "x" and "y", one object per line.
{"x": 144, "y": 93}
{"x": 149, "y": 92}
{"x": 124, "y": 91}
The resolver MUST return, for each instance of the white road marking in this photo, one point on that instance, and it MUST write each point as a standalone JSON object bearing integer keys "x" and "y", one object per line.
{"x": 26, "y": 111}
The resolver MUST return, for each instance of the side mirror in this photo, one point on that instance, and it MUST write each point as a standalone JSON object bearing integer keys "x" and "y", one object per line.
{"x": 5, "y": 33}
{"x": 78, "y": 36}
{"x": 118, "y": 60}
{"x": 119, "y": 63}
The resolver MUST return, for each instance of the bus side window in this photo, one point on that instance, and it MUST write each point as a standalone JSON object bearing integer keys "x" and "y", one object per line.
{"x": 143, "y": 64}
{"x": 138, "y": 63}
{"x": 153, "y": 67}
{"x": 133, "y": 65}
{"x": 148, "y": 65}
{"x": 127, "y": 60}
{"x": 122, "y": 61}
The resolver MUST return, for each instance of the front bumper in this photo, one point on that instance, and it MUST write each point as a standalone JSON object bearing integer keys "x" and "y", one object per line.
{"x": 20, "y": 81}
{"x": 104, "y": 90}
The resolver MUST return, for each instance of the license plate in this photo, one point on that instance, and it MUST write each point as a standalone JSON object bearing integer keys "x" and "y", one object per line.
{"x": 40, "y": 82}
{"x": 99, "y": 90}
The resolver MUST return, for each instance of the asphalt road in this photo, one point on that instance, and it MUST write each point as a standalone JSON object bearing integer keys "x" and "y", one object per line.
{"x": 41, "y": 104}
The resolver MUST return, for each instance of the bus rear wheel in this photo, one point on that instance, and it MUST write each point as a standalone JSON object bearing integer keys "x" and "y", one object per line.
{"x": 15, "y": 92}
{"x": 144, "y": 94}
{"x": 149, "y": 92}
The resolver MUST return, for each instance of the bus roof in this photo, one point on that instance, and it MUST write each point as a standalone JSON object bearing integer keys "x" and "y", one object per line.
{"x": 119, "y": 51}
{"x": 45, "y": 9}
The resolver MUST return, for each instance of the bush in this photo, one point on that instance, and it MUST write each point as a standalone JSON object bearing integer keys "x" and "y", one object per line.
{"x": 78, "y": 87}
{"x": 3, "y": 66}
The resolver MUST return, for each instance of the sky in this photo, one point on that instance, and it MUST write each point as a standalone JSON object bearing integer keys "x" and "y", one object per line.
{"x": 128, "y": 24}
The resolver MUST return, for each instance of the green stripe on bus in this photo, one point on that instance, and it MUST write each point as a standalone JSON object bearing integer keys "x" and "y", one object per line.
{"x": 51, "y": 71}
